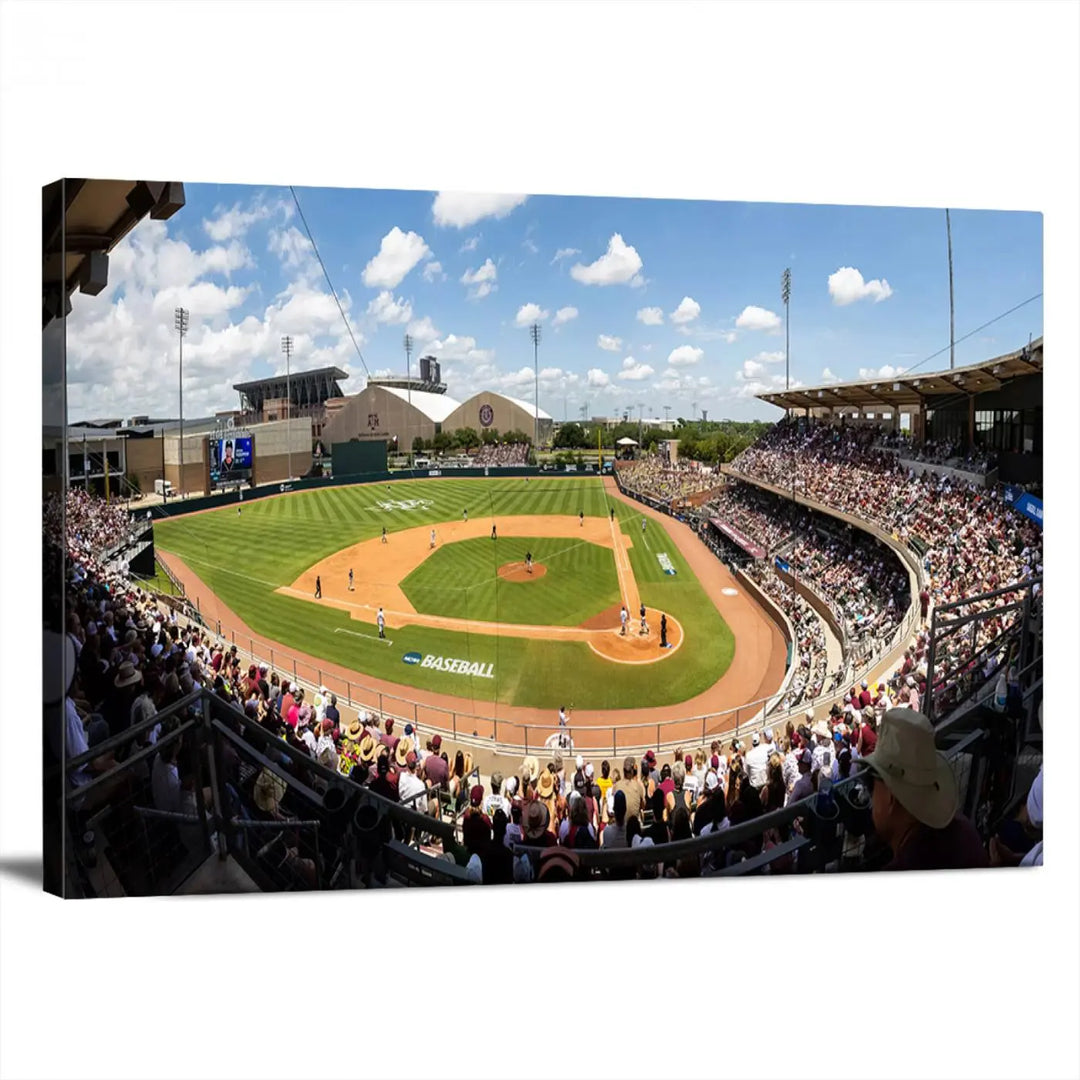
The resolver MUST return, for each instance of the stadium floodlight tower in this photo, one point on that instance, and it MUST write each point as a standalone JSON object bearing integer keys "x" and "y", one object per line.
{"x": 785, "y": 295}
{"x": 534, "y": 333}
{"x": 180, "y": 323}
{"x": 287, "y": 348}
{"x": 408, "y": 343}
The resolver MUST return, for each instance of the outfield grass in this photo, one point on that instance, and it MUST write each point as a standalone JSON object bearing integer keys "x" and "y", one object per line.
{"x": 461, "y": 580}
{"x": 245, "y": 557}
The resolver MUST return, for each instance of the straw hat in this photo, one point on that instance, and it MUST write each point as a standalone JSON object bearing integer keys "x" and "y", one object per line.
{"x": 269, "y": 791}
{"x": 530, "y": 766}
{"x": 821, "y": 729}
{"x": 126, "y": 675}
{"x": 403, "y": 750}
{"x": 367, "y": 749}
{"x": 546, "y": 786}
{"x": 354, "y": 731}
{"x": 908, "y": 762}
{"x": 535, "y": 821}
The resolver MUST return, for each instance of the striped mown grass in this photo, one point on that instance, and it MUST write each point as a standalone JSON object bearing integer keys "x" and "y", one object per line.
{"x": 245, "y": 557}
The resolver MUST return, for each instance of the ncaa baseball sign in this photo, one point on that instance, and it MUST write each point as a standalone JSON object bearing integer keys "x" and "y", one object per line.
{"x": 412, "y": 658}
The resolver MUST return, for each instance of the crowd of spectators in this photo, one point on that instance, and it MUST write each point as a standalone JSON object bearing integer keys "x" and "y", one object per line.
{"x": 937, "y": 452}
{"x": 971, "y": 541}
{"x": 655, "y": 475}
{"x": 764, "y": 518}
{"x": 499, "y": 454}
{"x": 810, "y": 654}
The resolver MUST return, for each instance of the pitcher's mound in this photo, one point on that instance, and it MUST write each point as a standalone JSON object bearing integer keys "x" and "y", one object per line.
{"x": 515, "y": 571}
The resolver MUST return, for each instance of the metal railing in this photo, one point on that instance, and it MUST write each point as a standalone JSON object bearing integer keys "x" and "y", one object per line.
{"x": 292, "y": 824}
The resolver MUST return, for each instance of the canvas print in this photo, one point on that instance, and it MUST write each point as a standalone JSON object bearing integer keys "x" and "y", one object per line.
{"x": 408, "y": 538}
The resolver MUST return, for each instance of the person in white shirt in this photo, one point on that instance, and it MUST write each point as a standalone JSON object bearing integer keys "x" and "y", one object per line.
{"x": 496, "y": 800}
{"x": 757, "y": 763}
{"x": 409, "y": 784}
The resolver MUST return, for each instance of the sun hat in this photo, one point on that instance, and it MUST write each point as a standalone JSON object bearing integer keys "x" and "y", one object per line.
{"x": 712, "y": 782}
{"x": 579, "y": 761}
{"x": 555, "y": 859}
{"x": 530, "y": 767}
{"x": 403, "y": 750}
{"x": 127, "y": 675}
{"x": 535, "y": 820}
{"x": 821, "y": 729}
{"x": 910, "y": 765}
{"x": 546, "y": 785}
{"x": 268, "y": 791}
{"x": 510, "y": 787}
{"x": 354, "y": 731}
{"x": 367, "y": 748}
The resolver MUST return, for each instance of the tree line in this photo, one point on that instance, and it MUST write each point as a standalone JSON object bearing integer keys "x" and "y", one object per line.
{"x": 711, "y": 442}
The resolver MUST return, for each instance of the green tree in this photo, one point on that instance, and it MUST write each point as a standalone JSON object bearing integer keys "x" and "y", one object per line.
{"x": 571, "y": 436}
{"x": 466, "y": 438}
{"x": 517, "y": 436}
{"x": 489, "y": 436}
{"x": 442, "y": 442}
{"x": 418, "y": 444}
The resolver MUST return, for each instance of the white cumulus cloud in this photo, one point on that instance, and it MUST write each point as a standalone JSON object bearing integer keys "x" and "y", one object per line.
{"x": 828, "y": 377}
{"x": 597, "y": 378}
{"x": 385, "y": 309}
{"x": 423, "y": 330}
{"x": 529, "y": 313}
{"x": 481, "y": 281}
{"x": 565, "y": 253}
{"x": 687, "y": 311}
{"x": 398, "y": 253}
{"x": 650, "y": 316}
{"x": 846, "y": 286}
{"x": 461, "y": 209}
{"x": 433, "y": 271}
{"x": 564, "y": 315}
{"x": 886, "y": 371}
{"x": 619, "y": 265}
{"x": 633, "y": 371}
{"x": 685, "y": 356}
{"x": 610, "y": 344}
{"x": 470, "y": 244}
{"x": 757, "y": 318}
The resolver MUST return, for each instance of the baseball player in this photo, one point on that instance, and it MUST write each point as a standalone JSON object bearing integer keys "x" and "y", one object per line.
{"x": 644, "y": 624}
{"x": 528, "y": 562}
{"x": 663, "y": 632}
{"x": 493, "y": 536}
{"x": 350, "y": 579}
{"x": 623, "y": 617}
{"x": 643, "y": 524}
{"x": 613, "y": 513}
{"x": 384, "y": 534}
{"x": 465, "y": 514}
{"x": 380, "y": 620}
{"x": 581, "y": 518}
{"x": 433, "y": 538}
{"x": 318, "y": 587}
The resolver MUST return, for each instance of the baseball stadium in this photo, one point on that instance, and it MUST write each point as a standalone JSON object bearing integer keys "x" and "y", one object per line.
{"x": 387, "y": 637}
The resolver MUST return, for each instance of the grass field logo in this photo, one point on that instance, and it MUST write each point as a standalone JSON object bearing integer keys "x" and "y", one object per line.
{"x": 457, "y": 667}
{"x": 665, "y": 563}
{"x": 412, "y": 658}
{"x": 390, "y": 505}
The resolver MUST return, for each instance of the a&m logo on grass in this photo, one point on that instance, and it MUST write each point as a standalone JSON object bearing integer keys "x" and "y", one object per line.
{"x": 412, "y": 658}
{"x": 665, "y": 563}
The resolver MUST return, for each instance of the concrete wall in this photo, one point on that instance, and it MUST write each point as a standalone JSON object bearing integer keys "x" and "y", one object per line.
{"x": 144, "y": 463}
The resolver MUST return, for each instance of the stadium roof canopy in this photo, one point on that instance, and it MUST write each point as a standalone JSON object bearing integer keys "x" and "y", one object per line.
{"x": 305, "y": 387}
{"x": 436, "y": 407}
{"x": 528, "y": 406}
{"x": 82, "y": 221}
{"x": 915, "y": 388}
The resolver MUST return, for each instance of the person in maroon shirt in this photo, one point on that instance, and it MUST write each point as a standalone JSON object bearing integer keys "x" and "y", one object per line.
{"x": 382, "y": 784}
{"x": 388, "y": 738}
{"x": 475, "y": 824}
{"x": 915, "y": 801}
{"x": 436, "y": 769}
{"x": 865, "y": 697}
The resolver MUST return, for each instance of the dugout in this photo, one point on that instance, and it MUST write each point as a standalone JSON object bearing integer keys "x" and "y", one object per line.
{"x": 358, "y": 458}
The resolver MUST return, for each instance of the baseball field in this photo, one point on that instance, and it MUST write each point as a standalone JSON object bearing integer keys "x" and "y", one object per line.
{"x": 462, "y": 613}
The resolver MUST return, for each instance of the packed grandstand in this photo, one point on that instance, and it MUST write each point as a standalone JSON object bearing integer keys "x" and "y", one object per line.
{"x": 848, "y": 599}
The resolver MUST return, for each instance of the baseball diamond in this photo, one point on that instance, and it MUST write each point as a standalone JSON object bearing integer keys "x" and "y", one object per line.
{"x": 539, "y": 639}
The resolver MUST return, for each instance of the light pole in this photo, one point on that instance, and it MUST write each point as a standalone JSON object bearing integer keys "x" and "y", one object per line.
{"x": 534, "y": 333}
{"x": 952, "y": 324}
{"x": 785, "y": 295}
{"x": 286, "y": 348}
{"x": 408, "y": 343}
{"x": 180, "y": 323}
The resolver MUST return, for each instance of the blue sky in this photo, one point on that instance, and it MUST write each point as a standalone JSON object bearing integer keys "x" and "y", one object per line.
{"x": 657, "y": 302}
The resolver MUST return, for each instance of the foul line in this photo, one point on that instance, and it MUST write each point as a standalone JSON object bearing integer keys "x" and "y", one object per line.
{"x": 356, "y": 633}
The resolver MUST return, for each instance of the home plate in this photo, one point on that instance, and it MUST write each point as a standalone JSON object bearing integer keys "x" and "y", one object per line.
{"x": 356, "y": 633}
{"x": 730, "y": 592}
